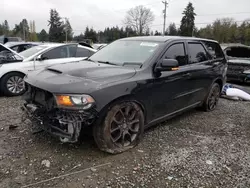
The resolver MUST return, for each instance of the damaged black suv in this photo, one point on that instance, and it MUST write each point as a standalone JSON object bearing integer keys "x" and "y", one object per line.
{"x": 124, "y": 88}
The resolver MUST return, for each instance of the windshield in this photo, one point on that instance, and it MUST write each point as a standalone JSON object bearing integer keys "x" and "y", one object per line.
{"x": 31, "y": 51}
{"x": 125, "y": 52}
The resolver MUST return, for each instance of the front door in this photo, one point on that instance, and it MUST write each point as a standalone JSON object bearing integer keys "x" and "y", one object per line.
{"x": 171, "y": 91}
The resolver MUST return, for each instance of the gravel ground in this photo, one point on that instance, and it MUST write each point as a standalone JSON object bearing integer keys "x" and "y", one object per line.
{"x": 196, "y": 149}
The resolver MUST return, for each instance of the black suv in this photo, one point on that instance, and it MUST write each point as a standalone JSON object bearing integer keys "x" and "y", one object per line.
{"x": 127, "y": 86}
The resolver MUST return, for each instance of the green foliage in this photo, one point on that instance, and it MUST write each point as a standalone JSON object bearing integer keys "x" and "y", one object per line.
{"x": 226, "y": 30}
{"x": 157, "y": 33}
{"x": 187, "y": 21}
{"x": 106, "y": 36}
{"x": 56, "y": 30}
{"x": 172, "y": 30}
{"x": 43, "y": 36}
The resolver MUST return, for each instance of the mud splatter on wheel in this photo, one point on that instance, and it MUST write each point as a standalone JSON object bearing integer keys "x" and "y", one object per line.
{"x": 121, "y": 129}
{"x": 212, "y": 98}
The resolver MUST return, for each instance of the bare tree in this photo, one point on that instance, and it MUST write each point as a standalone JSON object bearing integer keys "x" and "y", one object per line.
{"x": 139, "y": 18}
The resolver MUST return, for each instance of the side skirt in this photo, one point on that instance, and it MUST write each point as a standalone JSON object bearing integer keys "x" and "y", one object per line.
{"x": 171, "y": 115}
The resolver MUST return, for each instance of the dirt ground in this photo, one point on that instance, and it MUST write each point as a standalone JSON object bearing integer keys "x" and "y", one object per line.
{"x": 196, "y": 149}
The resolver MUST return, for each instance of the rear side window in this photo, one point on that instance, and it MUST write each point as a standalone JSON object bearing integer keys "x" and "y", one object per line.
{"x": 177, "y": 51}
{"x": 214, "y": 49}
{"x": 197, "y": 53}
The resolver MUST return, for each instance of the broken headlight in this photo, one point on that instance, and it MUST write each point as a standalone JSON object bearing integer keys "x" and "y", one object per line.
{"x": 75, "y": 101}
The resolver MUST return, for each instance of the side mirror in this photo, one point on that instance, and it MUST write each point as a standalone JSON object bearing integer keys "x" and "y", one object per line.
{"x": 40, "y": 58}
{"x": 168, "y": 65}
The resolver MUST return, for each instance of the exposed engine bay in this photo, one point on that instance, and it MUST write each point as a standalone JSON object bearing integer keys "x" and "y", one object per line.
{"x": 40, "y": 107}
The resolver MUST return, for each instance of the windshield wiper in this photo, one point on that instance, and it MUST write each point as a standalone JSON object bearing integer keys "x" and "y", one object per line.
{"x": 106, "y": 62}
{"x": 90, "y": 60}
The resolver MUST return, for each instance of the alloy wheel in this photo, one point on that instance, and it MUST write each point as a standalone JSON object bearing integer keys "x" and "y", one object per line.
{"x": 15, "y": 84}
{"x": 213, "y": 98}
{"x": 125, "y": 126}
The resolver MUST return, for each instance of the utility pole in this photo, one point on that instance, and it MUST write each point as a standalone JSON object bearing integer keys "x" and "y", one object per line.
{"x": 165, "y": 14}
{"x": 66, "y": 30}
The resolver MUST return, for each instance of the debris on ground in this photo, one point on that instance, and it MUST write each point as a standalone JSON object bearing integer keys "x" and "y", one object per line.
{"x": 175, "y": 153}
{"x": 46, "y": 163}
{"x": 12, "y": 127}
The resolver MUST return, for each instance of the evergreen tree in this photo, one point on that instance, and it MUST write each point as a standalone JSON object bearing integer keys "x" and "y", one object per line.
{"x": 6, "y": 27}
{"x": 43, "y": 36}
{"x": 172, "y": 30}
{"x": 56, "y": 33}
{"x": 187, "y": 22}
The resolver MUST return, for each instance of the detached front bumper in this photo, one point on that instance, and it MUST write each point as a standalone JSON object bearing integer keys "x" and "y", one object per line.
{"x": 65, "y": 124}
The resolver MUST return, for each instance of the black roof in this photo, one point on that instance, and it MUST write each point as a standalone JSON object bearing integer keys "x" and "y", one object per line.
{"x": 164, "y": 38}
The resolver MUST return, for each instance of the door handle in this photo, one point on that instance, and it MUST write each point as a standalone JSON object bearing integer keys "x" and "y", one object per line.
{"x": 187, "y": 75}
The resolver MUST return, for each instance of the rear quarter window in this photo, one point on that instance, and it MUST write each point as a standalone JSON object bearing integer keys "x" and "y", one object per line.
{"x": 214, "y": 49}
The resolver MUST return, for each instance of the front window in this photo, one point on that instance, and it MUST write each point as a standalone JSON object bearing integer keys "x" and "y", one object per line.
{"x": 60, "y": 52}
{"x": 177, "y": 51}
{"x": 31, "y": 51}
{"x": 126, "y": 52}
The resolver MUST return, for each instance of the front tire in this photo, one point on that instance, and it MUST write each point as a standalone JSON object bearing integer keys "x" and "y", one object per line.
{"x": 12, "y": 84}
{"x": 212, "y": 98}
{"x": 121, "y": 129}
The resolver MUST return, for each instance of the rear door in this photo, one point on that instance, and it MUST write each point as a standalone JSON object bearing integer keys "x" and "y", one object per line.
{"x": 205, "y": 60}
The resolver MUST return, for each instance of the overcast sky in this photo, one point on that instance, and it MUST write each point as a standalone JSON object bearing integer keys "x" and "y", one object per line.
{"x": 103, "y": 13}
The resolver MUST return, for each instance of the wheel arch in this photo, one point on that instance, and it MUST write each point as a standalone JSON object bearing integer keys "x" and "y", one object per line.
{"x": 19, "y": 72}
{"x": 220, "y": 82}
{"x": 128, "y": 97}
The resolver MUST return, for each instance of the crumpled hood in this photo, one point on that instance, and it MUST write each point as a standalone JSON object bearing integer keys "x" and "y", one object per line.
{"x": 78, "y": 77}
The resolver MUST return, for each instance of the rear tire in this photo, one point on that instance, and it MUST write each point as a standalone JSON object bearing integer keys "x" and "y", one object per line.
{"x": 120, "y": 129}
{"x": 212, "y": 98}
{"x": 12, "y": 84}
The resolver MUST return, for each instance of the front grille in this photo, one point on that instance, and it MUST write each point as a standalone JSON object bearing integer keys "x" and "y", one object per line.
{"x": 234, "y": 68}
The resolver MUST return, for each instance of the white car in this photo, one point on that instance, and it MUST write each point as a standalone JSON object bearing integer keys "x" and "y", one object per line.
{"x": 14, "y": 66}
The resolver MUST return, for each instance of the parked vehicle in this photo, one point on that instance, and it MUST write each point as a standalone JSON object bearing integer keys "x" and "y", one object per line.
{"x": 4, "y": 39}
{"x": 7, "y": 55}
{"x": 21, "y": 46}
{"x": 14, "y": 66}
{"x": 238, "y": 56}
{"x": 127, "y": 86}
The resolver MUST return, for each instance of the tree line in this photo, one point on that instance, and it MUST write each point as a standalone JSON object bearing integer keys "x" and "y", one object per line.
{"x": 137, "y": 22}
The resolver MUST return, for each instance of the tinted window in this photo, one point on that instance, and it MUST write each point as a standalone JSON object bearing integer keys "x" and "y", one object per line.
{"x": 72, "y": 50}
{"x": 15, "y": 48}
{"x": 82, "y": 52}
{"x": 60, "y": 52}
{"x": 214, "y": 49}
{"x": 197, "y": 53}
{"x": 56, "y": 53}
{"x": 177, "y": 51}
